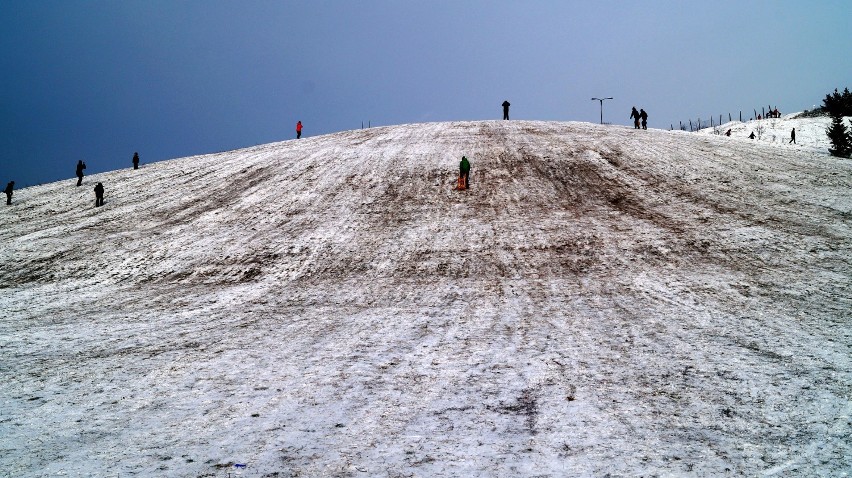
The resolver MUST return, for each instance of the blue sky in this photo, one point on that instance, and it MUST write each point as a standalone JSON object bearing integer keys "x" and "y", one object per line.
{"x": 98, "y": 80}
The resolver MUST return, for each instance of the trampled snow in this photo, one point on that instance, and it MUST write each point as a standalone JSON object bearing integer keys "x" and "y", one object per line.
{"x": 602, "y": 301}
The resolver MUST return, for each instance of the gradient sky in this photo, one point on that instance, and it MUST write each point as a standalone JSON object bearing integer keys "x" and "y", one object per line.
{"x": 98, "y": 80}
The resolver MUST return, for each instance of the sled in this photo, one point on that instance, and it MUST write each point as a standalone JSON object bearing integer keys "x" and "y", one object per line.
{"x": 462, "y": 184}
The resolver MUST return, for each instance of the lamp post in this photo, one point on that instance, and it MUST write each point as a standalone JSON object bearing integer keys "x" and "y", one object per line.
{"x": 601, "y": 100}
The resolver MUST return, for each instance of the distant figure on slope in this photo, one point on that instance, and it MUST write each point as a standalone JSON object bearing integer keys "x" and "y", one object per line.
{"x": 9, "y": 188}
{"x": 298, "y": 129}
{"x": 99, "y": 195}
{"x": 80, "y": 167}
{"x": 792, "y": 136}
{"x": 464, "y": 173}
{"x": 506, "y": 105}
{"x": 751, "y": 136}
{"x": 644, "y": 117}
{"x": 728, "y": 133}
{"x": 135, "y": 160}
{"x": 635, "y": 115}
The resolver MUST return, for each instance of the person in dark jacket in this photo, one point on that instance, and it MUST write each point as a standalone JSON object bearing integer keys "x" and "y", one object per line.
{"x": 80, "y": 167}
{"x": 99, "y": 195}
{"x": 644, "y": 117}
{"x": 298, "y": 130}
{"x": 135, "y": 160}
{"x": 635, "y": 115}
{"x": 506, "y": 105}
{"x": 792, "y": 136}
{"x": 9, "y": 188}
{"x": 464, "y": 171}
{"x": 751, "y": 136}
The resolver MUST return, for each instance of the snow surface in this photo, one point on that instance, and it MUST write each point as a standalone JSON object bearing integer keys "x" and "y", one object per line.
{"x": 810, "y": 132}
{"x": 602, "y": 301}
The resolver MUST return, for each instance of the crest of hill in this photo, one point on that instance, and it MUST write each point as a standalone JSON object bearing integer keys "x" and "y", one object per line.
{"x": 380, "y": 202}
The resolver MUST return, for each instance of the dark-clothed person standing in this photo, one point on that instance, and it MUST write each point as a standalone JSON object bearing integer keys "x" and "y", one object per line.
{"x": 135, "y": 160}
{"x": 792, "y": 136}
{"x": 99, "y": 195}
{"x": 9, "y": 188}
{"x": 635, "y": 115}
{"x": 506, "y": 105}
{"x": 644, "y": 117}
{"x": 80, "y": 167}
{"x": 464, "y": 171}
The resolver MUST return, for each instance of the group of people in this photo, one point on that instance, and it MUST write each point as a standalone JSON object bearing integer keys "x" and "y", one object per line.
{"x": 772, "y": 114}
{"x": 751, "y": 136}
{"x": 99, "y": 188}
{"x": 638, "y": 116}
{"x": 81, "y": 166}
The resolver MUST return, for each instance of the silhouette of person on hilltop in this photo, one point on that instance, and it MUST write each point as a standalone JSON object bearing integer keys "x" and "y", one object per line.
{"x": 9, "y": 188}
{"x": 298, "y": 130}
{"x": 644, "y": 117}
{"x": 80, "y": 167}
{"x": 635, "y": 115}
{"x": 135, "y": 160}
{"x": 506, "y": 105}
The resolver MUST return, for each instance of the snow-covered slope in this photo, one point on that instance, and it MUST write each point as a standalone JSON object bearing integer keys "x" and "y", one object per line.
{"x": 601, "y": 301}
{"x": 810, "y": 132}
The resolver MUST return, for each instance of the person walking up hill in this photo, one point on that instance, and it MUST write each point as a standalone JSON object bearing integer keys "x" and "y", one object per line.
{"x": 80, "y": 167}
{"x": 792, "y": 136}
{"x": 298, "y": 130}
{"x": 99, "y": 195}
{"x": 9, "y": 188}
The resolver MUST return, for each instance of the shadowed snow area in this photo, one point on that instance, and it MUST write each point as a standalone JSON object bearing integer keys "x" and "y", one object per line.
{"x": 601, "y": 301}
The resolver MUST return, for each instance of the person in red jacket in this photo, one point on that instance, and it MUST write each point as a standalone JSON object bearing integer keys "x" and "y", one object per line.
{"x": 298, "y": 130}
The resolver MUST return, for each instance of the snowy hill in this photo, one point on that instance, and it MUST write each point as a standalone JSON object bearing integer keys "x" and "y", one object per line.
{"x": 601, "y": 301}
{"x": 810, "y": 132}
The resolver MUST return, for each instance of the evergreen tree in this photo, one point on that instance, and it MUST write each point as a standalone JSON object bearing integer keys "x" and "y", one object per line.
{"x": 847, "y": 102}
{"x": 838, "y": 103}
{"x": 840, "y": 137}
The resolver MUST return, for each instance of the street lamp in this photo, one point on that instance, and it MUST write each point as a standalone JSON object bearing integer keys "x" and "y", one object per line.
{"x": 601, "y": 100}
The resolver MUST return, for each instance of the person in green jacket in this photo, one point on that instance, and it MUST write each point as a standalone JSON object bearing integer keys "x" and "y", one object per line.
{"x": 464, "y": 171}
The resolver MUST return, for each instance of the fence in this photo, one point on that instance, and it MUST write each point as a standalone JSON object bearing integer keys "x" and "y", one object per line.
{"x": 711, "y": 122}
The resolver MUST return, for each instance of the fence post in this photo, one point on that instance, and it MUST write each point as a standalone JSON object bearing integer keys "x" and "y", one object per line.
{"x": 690, "y": 126}
{"x": 741, "y": 116}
